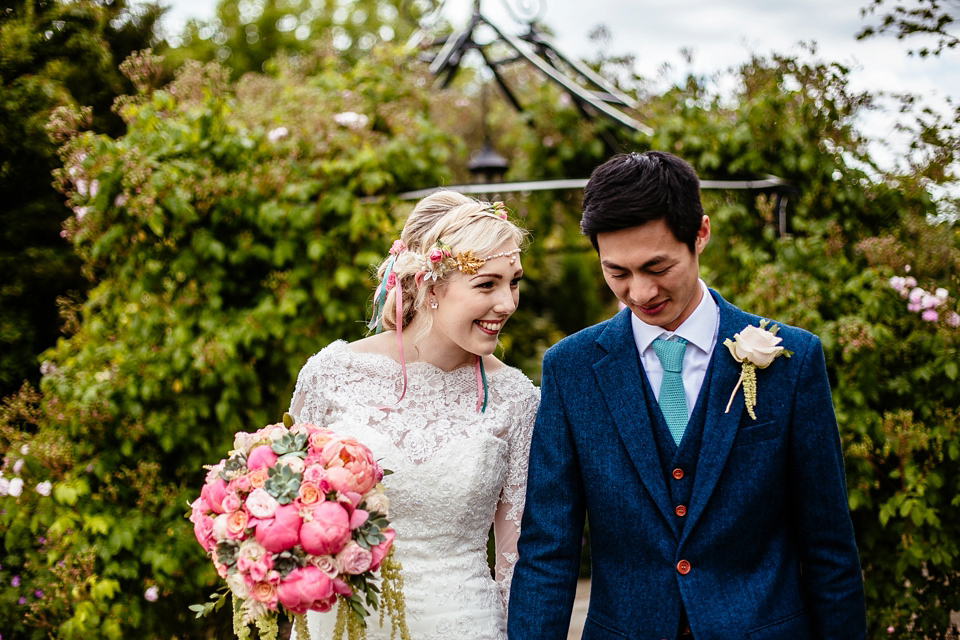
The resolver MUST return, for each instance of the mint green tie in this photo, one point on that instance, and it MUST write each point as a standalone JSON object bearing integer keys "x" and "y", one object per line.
{"x": 673, "y": 400}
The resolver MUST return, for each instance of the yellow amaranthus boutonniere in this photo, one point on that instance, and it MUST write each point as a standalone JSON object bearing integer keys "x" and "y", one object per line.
{"x": 754, "y": 348}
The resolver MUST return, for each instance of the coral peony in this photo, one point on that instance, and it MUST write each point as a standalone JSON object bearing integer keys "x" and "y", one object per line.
{"x": 302, "y": 588}
{"x": 280, "y": 532}
{"x": 326, "y": 530}
{"x": 350, "y": 465}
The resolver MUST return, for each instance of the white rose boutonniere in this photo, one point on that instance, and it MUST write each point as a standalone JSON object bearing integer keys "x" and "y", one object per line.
{"x": 755, "y": 348}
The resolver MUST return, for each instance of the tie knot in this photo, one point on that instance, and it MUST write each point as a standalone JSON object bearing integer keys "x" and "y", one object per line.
{"x": 670, "y": 353}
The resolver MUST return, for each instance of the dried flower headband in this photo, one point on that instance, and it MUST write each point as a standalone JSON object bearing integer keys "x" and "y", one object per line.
{"x": 438, "y": 261}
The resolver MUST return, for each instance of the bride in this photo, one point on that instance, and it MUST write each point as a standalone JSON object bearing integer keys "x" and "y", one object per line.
{"x": 438, "y": 409}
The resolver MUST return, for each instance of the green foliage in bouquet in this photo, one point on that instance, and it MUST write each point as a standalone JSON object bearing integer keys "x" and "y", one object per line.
{"x": 231, "y": 236}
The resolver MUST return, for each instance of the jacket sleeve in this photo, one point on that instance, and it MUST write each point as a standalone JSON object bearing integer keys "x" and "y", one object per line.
{"x": 830, "y": 564}
{"x": 551, "y": 533}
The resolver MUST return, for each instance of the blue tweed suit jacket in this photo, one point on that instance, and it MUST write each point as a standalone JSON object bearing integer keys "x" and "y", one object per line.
{"x": 767, "y": 548}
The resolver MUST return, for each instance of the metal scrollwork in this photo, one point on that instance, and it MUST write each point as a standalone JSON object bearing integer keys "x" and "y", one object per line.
{"x": 528, "y": 11}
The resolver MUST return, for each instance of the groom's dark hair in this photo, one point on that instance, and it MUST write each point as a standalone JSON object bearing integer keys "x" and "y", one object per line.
{"x": 632, "y": 189}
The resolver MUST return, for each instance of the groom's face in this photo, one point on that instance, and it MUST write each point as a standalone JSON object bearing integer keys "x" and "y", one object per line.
{"x": 652, "y": 272}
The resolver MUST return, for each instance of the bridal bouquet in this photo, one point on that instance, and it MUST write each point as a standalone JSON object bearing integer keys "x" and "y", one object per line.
{"x": 295, "y": 519}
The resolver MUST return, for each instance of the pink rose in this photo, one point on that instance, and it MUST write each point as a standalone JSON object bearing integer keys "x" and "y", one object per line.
{"x": 397, "y": 247}
{"x": 257, "y": 478}
{"x": 266, "y": 593}
{"x": 236, "y": 524}
{"x": 213, "y": 494}
{"x": 354, "y": 559}
{"x": 203, "y": 529}
{"x": 261, "y": 457}
{"x": 319, "y": 438}
{"x": 435, "y": 255}
{"x": 326, "y": 530}
{"x": 314, "y": 471}
{"x": 379, "y": 552}
{"x": 350, "y": 465}
{"x": 391, "y": 281}
{"x": 240, "y": 484}
{"x": 261, "y": 504}
{"x": 231, "y": 502}
{"x": 282, "y": 531}
{"x": 309, "y": 493}
{"x": 302, "y": 588}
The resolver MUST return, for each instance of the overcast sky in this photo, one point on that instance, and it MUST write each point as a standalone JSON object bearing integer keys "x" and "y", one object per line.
{"x": 720, "y": 34}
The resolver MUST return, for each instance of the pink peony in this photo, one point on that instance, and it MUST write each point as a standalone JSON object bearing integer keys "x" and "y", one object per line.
{"x": 354, "y": 559}
{"x": 379, "y": 552}
{"x": 213, "y": 494}
{"x": 302, "y": 588}
{"x": 261, "y": 457}
{"x": 326, "y": 530}
{"x": 280, "y": 532}
{"x": 357, "y": 518}
{"x": 350, "y": 465}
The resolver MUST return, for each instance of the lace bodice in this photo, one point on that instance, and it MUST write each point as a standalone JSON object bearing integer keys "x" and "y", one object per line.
{"x": 456, "y": 471}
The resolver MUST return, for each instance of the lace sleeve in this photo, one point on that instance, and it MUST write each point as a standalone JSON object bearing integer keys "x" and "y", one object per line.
{"x": 309, "y": 403}
{"x": 506, "y": 522}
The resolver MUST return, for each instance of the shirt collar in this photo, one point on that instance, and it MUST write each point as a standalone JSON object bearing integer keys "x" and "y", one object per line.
{"x": 700, "y": 329}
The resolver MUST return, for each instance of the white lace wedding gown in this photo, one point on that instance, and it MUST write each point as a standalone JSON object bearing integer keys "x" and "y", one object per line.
{"x": 456, "y": 471}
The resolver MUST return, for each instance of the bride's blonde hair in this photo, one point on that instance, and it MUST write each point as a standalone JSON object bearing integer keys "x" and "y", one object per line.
{"x": 463, "y": 225}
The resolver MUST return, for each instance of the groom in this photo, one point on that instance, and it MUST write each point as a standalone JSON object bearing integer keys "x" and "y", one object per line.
{"x": 710, "y": 518}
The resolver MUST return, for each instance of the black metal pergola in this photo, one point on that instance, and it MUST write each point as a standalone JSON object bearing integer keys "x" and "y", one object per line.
{"x": 594, "y": 97}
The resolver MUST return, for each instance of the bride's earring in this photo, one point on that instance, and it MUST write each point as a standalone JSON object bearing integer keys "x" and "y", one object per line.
{"x": 434, "y": 304}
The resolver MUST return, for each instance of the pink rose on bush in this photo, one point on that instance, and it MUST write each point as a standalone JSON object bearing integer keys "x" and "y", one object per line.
{"x": 282, "y": 531}
{"x": 213, "y": 494}
{"x": 302, "y": 588}
{"x": 327, "y": 529}
{"x": 379, "y": 552}
{"x": 261, "y": 457}
{"x": 350, "y": 465}
{"x": 354, "y": 559}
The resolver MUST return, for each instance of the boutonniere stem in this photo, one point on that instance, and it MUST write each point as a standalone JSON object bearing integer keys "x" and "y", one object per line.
{"x": 754, "y": 348}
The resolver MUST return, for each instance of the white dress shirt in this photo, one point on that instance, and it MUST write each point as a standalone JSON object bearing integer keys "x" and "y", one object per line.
{"x": 699, "y": 330}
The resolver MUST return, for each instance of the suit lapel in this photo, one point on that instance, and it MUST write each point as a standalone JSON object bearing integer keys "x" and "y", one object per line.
{"x": 620, "y": 376}
{"x": 719, "y": 429}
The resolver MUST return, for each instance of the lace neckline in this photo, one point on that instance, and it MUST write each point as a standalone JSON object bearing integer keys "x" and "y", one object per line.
{"x": 466, "y": 369}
